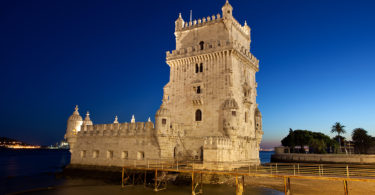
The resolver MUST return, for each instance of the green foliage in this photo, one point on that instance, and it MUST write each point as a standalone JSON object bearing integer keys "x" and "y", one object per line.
{"x": 317, "y": 142}
{"x": 362, "y": 141}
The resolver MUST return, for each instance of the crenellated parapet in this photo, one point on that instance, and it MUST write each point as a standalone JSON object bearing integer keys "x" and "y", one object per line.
{"x": 200, "y": 22}
{"x": 218, "y": 143}
{"x": 209, "y": 51}
{"x": 119, "y": 129}
{"x": 245, "y": 30}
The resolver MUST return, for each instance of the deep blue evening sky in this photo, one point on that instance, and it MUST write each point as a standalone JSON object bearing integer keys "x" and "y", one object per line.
{"x": 317, "y": 62}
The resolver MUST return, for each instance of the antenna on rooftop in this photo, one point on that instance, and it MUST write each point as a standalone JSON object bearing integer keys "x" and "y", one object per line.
{"x": 191, "y": 15}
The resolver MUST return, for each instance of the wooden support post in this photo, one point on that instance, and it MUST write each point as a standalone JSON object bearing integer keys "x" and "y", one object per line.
{"x": 237, "y": 185}
{"x": 201, "y": 191}
{"x": 156, "y": 180}
{"x": 346, "y": 190}
{"x": 192, "y": 183}
{"x": 285, "y": 190}
{"x": 243, "y": 183}
{"x": 294, "y": 170}
{"x": 122, "y": 177}
{"x": 287, "y": 186}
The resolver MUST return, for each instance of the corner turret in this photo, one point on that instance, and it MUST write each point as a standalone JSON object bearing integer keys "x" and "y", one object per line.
{"x": 73, "y": 126}
{"x": 227, "y": 10}
{"x": 162, "y": 120}
{"x": 179, "y": 23}
{"x": 87, "y": 120}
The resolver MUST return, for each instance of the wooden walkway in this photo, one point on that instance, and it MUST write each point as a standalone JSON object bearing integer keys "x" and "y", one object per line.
{"x": 164, "y": 172}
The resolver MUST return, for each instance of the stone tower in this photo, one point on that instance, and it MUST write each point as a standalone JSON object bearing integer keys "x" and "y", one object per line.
{"x": 212, "y": 88}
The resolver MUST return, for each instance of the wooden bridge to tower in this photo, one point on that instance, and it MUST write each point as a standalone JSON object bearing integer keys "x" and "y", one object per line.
{"x": 163, "y": 172}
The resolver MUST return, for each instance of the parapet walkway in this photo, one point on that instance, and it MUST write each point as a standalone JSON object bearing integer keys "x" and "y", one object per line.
{"x": 166, "y": 171}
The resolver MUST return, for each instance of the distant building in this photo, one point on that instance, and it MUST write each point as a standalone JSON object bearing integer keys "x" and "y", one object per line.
{"x": 209, "y": 112}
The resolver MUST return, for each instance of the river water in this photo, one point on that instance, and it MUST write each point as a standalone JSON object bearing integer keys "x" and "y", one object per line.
{"x": 33, "y": 172}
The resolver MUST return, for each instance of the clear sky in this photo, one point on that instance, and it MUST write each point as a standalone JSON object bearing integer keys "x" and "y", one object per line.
{"x": 317, "y": 62}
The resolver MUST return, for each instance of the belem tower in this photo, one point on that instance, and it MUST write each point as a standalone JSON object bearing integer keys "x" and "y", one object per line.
{"x": 208, "y": 113}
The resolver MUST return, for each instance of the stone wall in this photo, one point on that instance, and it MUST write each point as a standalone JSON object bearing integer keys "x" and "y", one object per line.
{"x": 324, "y": 158}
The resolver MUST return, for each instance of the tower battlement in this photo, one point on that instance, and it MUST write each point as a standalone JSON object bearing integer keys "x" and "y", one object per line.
{"x": 211, "y": 20}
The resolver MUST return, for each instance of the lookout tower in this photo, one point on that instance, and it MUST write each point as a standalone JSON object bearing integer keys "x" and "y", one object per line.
{"x": 212, "y": 86}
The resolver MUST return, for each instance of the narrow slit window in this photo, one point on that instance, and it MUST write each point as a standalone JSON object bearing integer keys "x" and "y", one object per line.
{"x": 198, "y": 115}
{"x": 201, "y": 67}
{"x": 201, "y": 44}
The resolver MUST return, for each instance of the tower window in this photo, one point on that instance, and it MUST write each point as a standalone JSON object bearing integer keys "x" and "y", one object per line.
{"x": 163, "y": 121}
{"x": 245, "y": 117}
{"x": 198, "y": 89}
{"x": 109, "y": 154}
{"x": 233, "y": 113}
{"x": 124, "y": 155}
{"x": 95, "y": 154}
{"x": 201, "y": 67}
{"x": 140, "y": 155}
{"x": 196, "y": 68}
{"x": 198, "y": 115}
{"x": 201, "y": 44}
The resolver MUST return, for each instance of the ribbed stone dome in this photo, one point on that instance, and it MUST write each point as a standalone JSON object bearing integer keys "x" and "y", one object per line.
{"x": 75, "y": 116}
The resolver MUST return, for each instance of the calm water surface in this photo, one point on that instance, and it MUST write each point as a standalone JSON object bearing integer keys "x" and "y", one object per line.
{"x": 30, "y": 171}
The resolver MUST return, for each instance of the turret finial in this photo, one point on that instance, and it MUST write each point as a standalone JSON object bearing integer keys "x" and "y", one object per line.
{"x": 116, "y": 119}
{"x": 133, "y": 119}
{"x": 76, "y": 108}
{"x": 149, "y": 119}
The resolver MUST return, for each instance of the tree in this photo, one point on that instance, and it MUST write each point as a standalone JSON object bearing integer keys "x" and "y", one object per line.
{"x": 362, "y": 141}
{"x": 339, "y": 129}
{"x": 317, "y": 142}
{"x": 341, "y": 138}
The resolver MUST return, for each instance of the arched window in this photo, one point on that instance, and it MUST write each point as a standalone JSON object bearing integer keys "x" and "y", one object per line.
{"x": 198, "y": 115}
{"x": 201, "y": 67}
{"x": 201, "y": 44}
{"x": 246, "y": 117}
{"x": 196, "y": 68}
{"x": 198, "y": 89}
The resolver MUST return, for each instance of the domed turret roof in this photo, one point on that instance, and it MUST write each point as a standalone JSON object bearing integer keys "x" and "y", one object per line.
{"x": 163, "y": 112}
{"x": 87, "y": 120}
{"x": 230, "y": 104}
{"x": 257, "y": 112}
{"x": 75, "y": 116}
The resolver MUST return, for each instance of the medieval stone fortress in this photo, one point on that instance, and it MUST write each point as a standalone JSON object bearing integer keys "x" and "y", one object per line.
{"x": 209, "y": 112}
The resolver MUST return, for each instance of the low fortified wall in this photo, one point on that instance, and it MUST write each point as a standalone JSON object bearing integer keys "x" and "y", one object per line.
{"x": 324, "y": 158}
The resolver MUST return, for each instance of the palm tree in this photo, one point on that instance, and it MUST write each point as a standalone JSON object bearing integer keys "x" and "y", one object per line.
{"x": 339, "y": 129}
